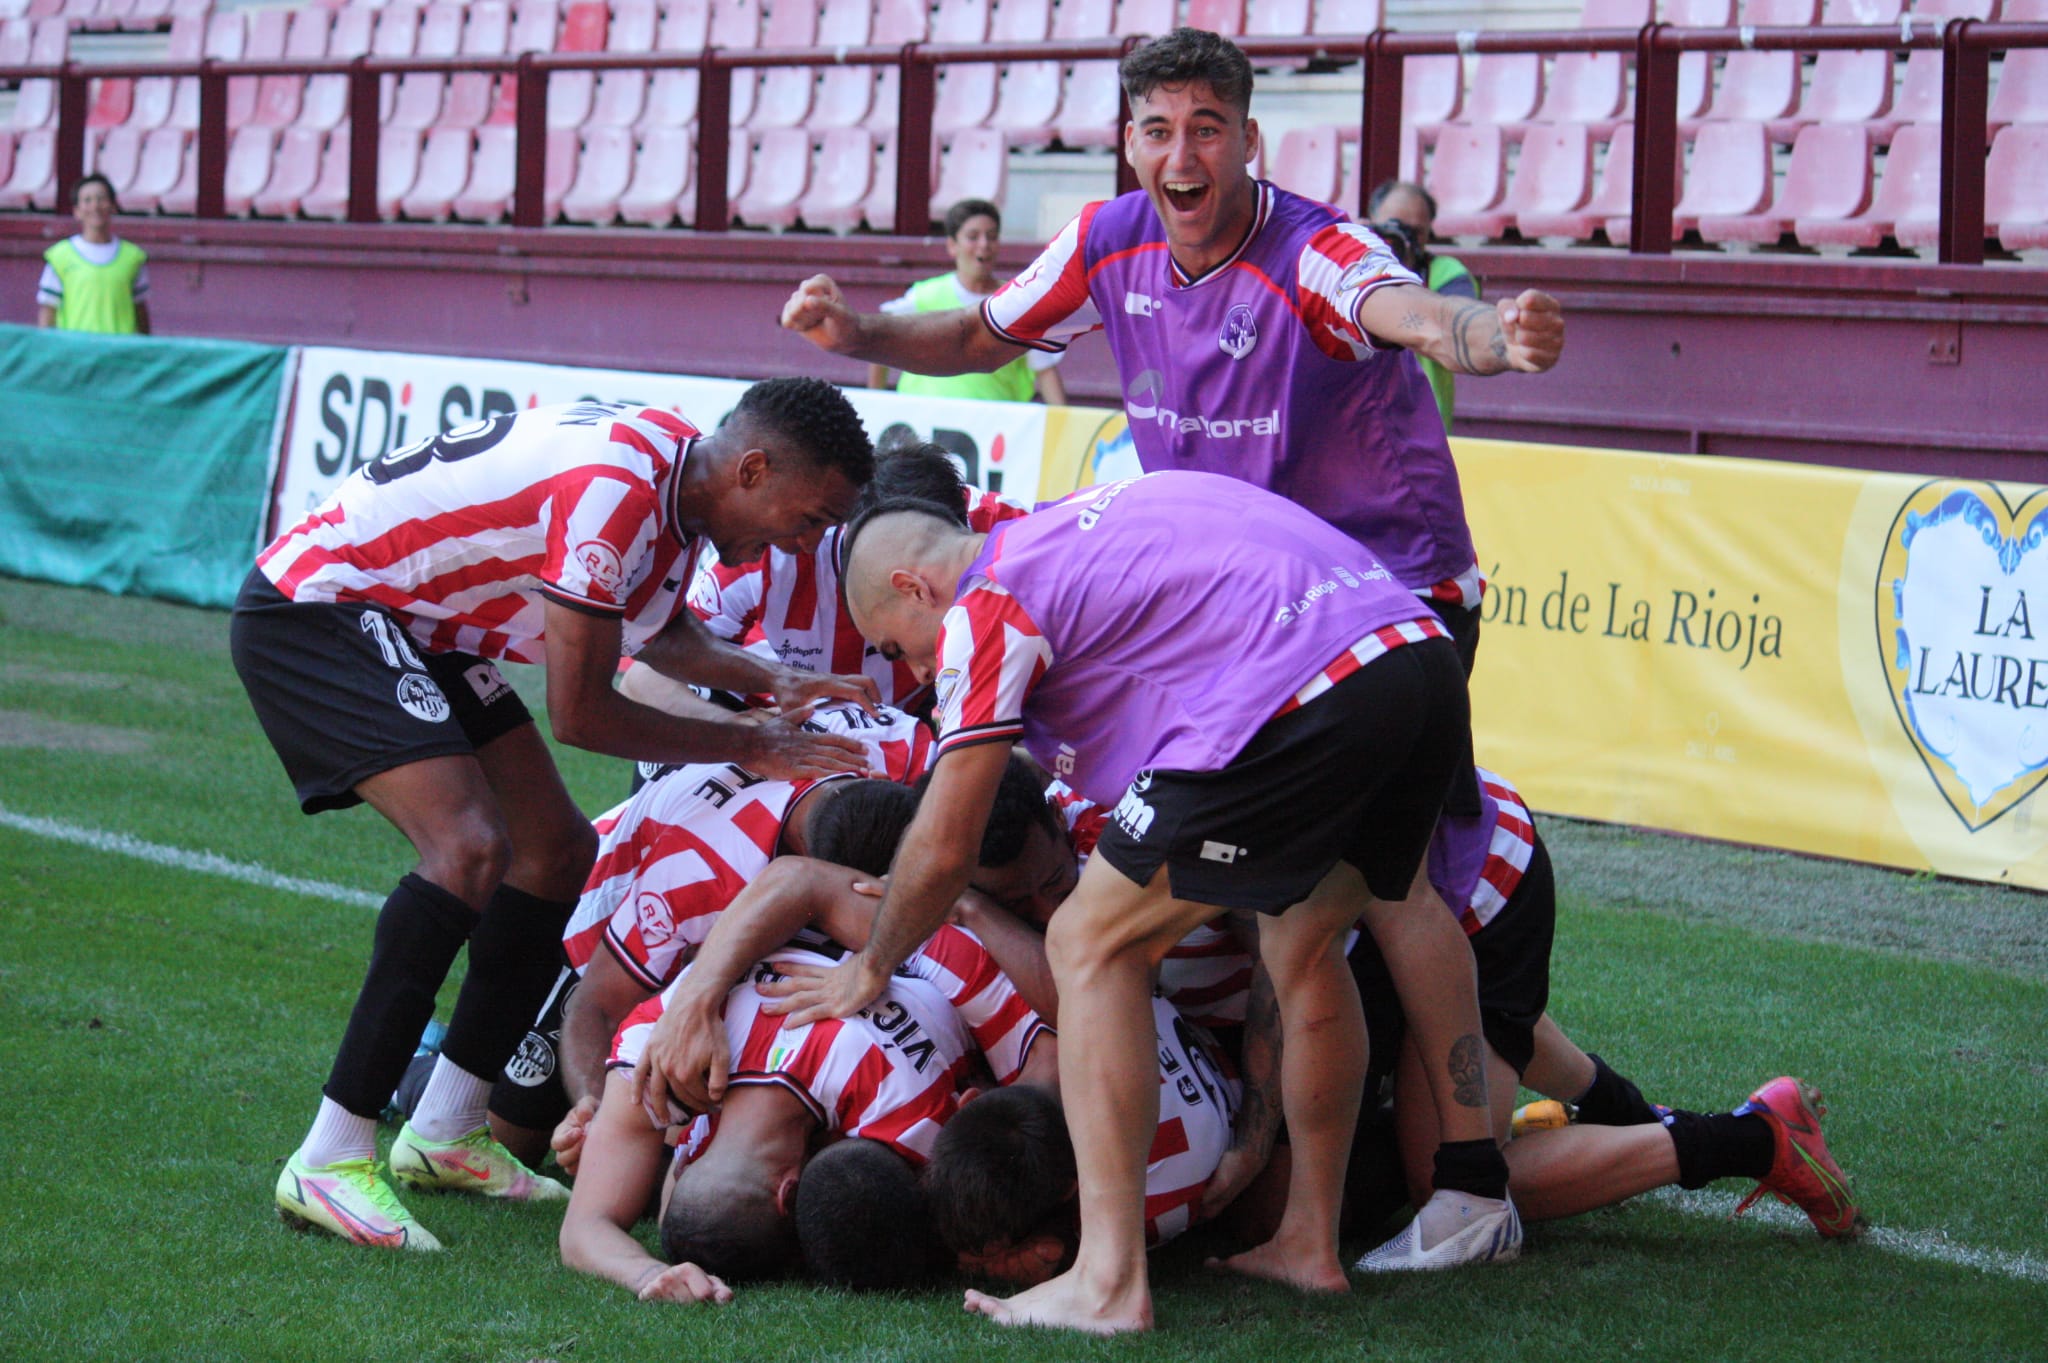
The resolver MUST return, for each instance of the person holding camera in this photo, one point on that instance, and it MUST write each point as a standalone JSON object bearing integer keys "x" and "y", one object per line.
{"x": 1404, "y": 214}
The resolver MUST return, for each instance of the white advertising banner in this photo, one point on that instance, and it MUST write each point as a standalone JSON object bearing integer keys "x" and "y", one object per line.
{"x": 352, "y": 406}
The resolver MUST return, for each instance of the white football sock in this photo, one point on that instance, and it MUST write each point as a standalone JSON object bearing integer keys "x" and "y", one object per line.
{"x": 337, "y": 1135}
{"x": 452, "y": 1104}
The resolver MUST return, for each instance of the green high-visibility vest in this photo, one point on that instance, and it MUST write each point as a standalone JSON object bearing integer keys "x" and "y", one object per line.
{"x": 96, "y": 297}
{"x": 1014, "y": 382}
{"x": 1442, "y": 270}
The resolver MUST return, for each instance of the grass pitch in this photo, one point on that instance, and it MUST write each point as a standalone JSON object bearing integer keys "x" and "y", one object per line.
{"x": 167, "y": 1030}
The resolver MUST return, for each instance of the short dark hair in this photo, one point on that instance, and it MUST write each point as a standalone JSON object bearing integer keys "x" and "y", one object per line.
{"x": 861, "y": 824}
{"x": 1020, "y": 807}
{"x": 862, "y": 1221}
{"x": 1189, "y": 56}
{"x": 923, "y": 471}
{"x": 95, "y": 178}
{"x": 889, "y": 506}
{"x": 959, "y": 213}
{"x": 1382, "y": 191}
{"x": 738, "y": 1235}
{"x": 815, "y": 417}
{"x": 1000, "y": 1169}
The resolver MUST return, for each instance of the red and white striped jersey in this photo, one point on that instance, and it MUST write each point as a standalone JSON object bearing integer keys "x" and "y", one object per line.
{"x": 674, "y": 855}
{"x": 890, "y": 1071}
{"x": 1084, "y": 819}
{"x": 1197, "y": 1104}
{"x": 793, "y": 602}
{"x": 466, "y": 536}
{"x": 1476, "y": 863}
{"x": 1208, "y": 975}
{"x": 990, "y": 654}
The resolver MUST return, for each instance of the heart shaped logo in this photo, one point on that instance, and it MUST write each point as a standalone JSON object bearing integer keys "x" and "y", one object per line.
{"x": 1962, "y": 630}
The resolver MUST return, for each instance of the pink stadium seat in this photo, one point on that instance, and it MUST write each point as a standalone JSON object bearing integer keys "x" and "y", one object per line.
{"x": 1282, "y": 18}
{"x": 1028, "y": 93}
{"x": 776, "y": 181}
{"x": 486, "y": 32}
{"x": 841, "y": 179}
{"x": 443, "y": 174}
{"x": 14, "y": 38}
{"x": 1218, "y": 16}
{"x": 325, "y": 103}
{"x": 1907, "y": 202}
{"x": 1308, "y": 163}
{"x": 1828, "y": 179}
{"x": 2022, "y": 93}
{"x": 182, "y": 198}
{"x": 1730, "y": 174}
{"x": 879, "y": 209}
{"x": 488, "y": 195}
{"x": 685, "y": 25}
{"x": 112, "y": 100}
{"x": 1695, "y": 69}
{"x": 154, "y": 95}
{"x": 783, "y": 95}
{"x": 264, "y": 40}
{"x": 10, "y": 10}
{"x": 1844, "y": 87}
{"x": 6, "y": 156}
{"x": 621, "y": 96}
{"x": 293, "y": 174}
{"x": 846, "y": 94}
{"x": 35, "y": 104}
{"x": 1759, "y": 86}
{"x": 33, "y": 183}
{"x": 226, "y": 40}
{"x": 671, "y": 100}
{"x": 398, "y": 35}
{"x": 1348, "y": 16}
{"x": 250, "y": 154}
{"x": 115, "y": 153}
{"x": 158, "y": 169}
{"x": 572, "y": 93}
{"x": 147, "y": 16}
{"x": 1506, "y": 88}
{"x": 1586, "y": 87}
{"x": 1554, "y": 175}
{"x": 664, "y": 178}
{"x": 398, "y": 166}
{"x": 279, "y": 98}
{"x": 1610, "y": 201}
{"x": 1468, "y": 176}
{"x": 967, "y": 92}
{"x": 420, "y": 93}
{"x": 603, "y": 171}
{"x": 328, "y": 197}
{"x": 2016, "y": 188}
{"x": 1088, "y": 113}
{"x": 1615, "y": 13}
{"x": 735, "y": 23}
{"x": 1861, "y": 11}
{"x": 1432, "y": 93}
{"x": 195, "y": 8}
{"x": 975, "y": 164}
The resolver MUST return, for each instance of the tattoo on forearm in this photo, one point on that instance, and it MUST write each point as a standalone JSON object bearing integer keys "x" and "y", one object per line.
{"x": 1468, "y": 1072}
{"x": 1468, "y": 318}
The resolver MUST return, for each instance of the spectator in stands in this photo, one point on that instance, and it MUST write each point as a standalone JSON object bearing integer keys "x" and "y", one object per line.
{"x": 1405, "y": 214}
{"x": 94, "y": 281}
{"x": 974, "y": 228}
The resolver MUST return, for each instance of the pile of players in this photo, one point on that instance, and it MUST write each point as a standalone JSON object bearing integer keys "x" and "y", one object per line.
{"x": 998, "y": 882}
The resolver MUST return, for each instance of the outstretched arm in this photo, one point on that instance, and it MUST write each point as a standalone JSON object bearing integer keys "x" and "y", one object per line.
{"x": 1524, "y": 333}
{"x": 938, "y": 343}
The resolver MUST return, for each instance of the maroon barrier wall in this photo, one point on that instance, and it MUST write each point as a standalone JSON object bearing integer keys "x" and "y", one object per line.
{"x": 1908, "y": 366}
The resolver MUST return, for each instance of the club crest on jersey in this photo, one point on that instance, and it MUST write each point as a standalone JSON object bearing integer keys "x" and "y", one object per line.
{"x": 656, "y": 926}
{"x": 1240, "y": 333}
{"x": 1962, "y": 574}
{"x": 784, "y": 1048}
{"x": 942, "y": 689}
{"x": 600, "y": 563}
{"x": 420, "y": 698}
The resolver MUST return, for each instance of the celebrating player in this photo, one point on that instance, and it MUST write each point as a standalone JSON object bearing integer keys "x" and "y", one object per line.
{"x": 367, "y": 638}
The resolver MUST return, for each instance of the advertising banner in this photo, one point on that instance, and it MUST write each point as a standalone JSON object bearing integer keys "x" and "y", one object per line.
{"x": 352, "y": 406}
{"x": 1828, "y": 661}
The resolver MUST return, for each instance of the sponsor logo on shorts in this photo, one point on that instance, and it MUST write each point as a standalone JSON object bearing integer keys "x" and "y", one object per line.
{"x": 487, "y": 681}
{"x": 1239, "y": 334}
{"x": 533, "y": 1064}
{"x": 1222, "y": 851}
{"x": 656, "y": 925}
{"x": 421, "y": 699}
{"x": 600, "y": 563}
{"x": 1132, "y": 813}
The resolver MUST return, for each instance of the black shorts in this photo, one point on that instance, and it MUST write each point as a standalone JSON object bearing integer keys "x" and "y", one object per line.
{"x": 1463, "y": 624}
{"x": 343, "y": 693}
{"x": 1513, "y": 956}
{"x": 530, "y": 1092}
{"x": 1358, "y": 775}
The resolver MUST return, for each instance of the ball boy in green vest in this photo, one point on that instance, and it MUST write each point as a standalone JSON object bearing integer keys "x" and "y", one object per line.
{"x": 94, "y": 281}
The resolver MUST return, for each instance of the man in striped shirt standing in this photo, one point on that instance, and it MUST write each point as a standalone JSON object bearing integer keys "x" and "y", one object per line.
{"x": 368, "y": 639}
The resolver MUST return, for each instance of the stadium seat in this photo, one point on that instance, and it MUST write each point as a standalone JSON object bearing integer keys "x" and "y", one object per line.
{"x": 420, "y": 93}
{"x": 328, "y": 195}
{"x": 1277, "y": 18}
{"x": 1695, "y": 69}
{"x": 279, "y": 98}
{"x": 398, "y": 34}
{"x": 1348, "y": 16}
{"x": 572, "y": 93}
{"x": 845, "y": 95}
{"x": 842, "y": 177}
{"x": 14, "y": 41}
{"x": 685, "y": 25}
{"x": 325, "y": 103}
{"x": 226, "y": 39}
{"x": 398, "y": 167}
{"x": 6, "y": 156}
{"x": 1609, "y": 200}
{"x": 603, "y": 171}
{"x": 1432, "y": 94}
{"x": 664, "y": 179}
{"x": 1861, "y": 11}
{"x": 2016, "y": 188}
{"x": 33, "y": 183}
{"x": 1907, "y": 203}
{"x": 973, "y": 164}
{"x": 879, "y": 209}
{"x": 2022, "y": 93}
{"x": 735, "y": 23}
{"x": 621, "y": 96}
{"x": 492, "y": 165}
{"x": 147, "y": 16}
{"x": 1828, "y": 179}
{"x": 1028, "y": 97}
{"x": 1729, "y": 175}
{"x": 1759, "y": 87}
{"x": 779, "y": 173}
{"x": 1554, "y": 174}
{"x": 294, "y": 172}
{"x": 443, "y": 174}
{"x": 35, "y": 102}
{"x": 486, "y": 32}
{"x": 264, "y": 38}
{"x": 671, "y": 100}
{"x": 1844, "y": 87}
{"x": 158, "y": 169}
{"x": 1616, "y": 13}
{"x": 1308, "y": 163}
{"x": 1590, "y": 88}
{"x": 1088, "y": 111}
{"x": 1507, "y": 87}
{"x": 783, "y": 94}
{"x": 154, "y": 95}
{"x": 182, "y": 198}
{"x": 1468, "y": 177}
{"x": 967, "y": 92}
{"x": 251, "y": 152}
{"x": 115, "y": 153}
{"x": 1217, "y": 16}
{"x": 112, "y": 99}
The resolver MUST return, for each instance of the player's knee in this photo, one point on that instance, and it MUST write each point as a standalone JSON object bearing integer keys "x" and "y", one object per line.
{"x": 556, "y": 860}
{"x": 470, "y": 857}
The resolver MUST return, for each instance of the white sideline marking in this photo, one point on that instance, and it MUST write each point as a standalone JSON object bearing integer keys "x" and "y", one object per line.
{"x": 1928, "y": 1246}
{"x": 178, "y": 857}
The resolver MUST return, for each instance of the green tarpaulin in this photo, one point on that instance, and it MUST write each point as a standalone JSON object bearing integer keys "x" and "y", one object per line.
{"x": 134, "y": 464}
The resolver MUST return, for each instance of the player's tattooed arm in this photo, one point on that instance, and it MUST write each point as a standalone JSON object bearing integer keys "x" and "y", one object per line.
{"x": 1523, "y": 333}
{"x": 1257, "y": 1124}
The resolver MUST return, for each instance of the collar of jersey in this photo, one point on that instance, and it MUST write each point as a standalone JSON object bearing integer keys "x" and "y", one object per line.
{"x": 1262, "y": 210}
{"x": 675, "y": 490}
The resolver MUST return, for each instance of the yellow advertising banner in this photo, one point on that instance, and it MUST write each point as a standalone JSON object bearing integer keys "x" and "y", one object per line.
{"x": 1822, "y": 660}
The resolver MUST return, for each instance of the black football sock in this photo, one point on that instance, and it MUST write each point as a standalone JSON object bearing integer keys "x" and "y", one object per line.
{"x": 1475, "y": 1167}
{"x": 1713, "y": 1145}
{"x": 1613, "y": 1100}
{"x": 419, "y": 930}
{"x": 515, "y": 956}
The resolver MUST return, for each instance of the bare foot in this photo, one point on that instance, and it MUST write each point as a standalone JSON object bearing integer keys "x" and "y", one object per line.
{"x": 1310, "y": 1272}
{"x": 1067, "y": 1303}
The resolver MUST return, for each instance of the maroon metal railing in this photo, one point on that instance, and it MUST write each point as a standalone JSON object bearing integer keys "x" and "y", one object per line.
{"x": 1966, "y": 46}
